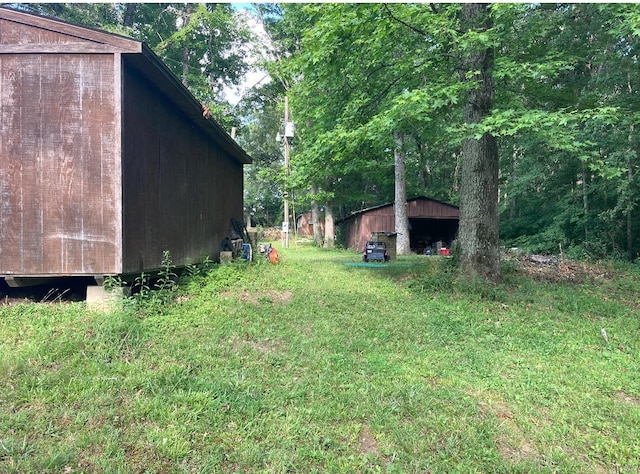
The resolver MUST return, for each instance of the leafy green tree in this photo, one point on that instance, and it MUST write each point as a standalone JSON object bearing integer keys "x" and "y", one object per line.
{"x": 567, "y": 164}
{"x": 206, "y": 52}
{"x": 264, "y": 178}
{"x": 561, "y": 117}
{"x": 107, "y": 16}
{"x": 262, "y": 112}
{"x": 361, "y": 88}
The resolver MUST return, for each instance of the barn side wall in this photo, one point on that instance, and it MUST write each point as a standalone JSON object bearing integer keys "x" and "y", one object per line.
{"x": 305, "y": 225}
{"x": 179, "y": 190}
{"x": 377, "y": 220}
{"x": 59, "y": 176}
{"x": 350, "y": 229}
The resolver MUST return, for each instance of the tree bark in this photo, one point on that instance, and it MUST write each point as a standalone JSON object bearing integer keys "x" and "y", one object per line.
{"x": 585, "y": 203}
{"x": 403, "y": 245}
{"x": 630, "y": 251}
{"x": 185, "y": 49}
{"x": 129, "y": 11}
{"x": 315, "y": 220}
{"x": 514, "y": 175}
{"x": 478, "y": 235}
{"x": 329, "y": 232}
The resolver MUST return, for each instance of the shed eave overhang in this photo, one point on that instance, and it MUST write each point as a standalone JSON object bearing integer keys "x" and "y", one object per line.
{"x": 111, "y": 42}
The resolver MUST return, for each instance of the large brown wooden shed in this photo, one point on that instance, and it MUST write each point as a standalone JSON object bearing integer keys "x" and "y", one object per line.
{"x": 430, "y": 221}
{"x": 106, "y": 160}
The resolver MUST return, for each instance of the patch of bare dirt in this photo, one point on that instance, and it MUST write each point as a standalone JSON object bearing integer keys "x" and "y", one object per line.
{"x": 510, "y": 441}
{"x": 512, "y": 445}
{"x": 368, "y": 443}
{"x": 262, "y": 296}
{"x": 624, "y": 397}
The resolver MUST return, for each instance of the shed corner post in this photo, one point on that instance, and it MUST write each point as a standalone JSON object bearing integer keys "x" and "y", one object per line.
{"x": 118, "y": 92}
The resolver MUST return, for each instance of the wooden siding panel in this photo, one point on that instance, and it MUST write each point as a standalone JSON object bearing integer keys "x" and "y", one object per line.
{"x": 59, "y": 195}
{"x": 379, "y": 221}
{"x": 180, "y": 190}
{"x": 381, "y": 211}
{"x": 431, "y": 209}
{"x": 304, "y": 226}
{"x": 12, "y": 201}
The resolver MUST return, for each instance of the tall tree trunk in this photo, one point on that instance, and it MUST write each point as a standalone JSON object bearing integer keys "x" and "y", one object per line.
{"x": 478, "y": 233}
{"x": 630, "y": 253}
{"x": 315, "y": 220}
{"x": 329, "y": 232}
{"x": 585, "y": 203}
{"x": 129, "y": 11}
{"x": 456, "y": 174}
{"x": 630, "y": 207}
{"x": 188, "y": 8}
{"x": 512, "y": 179}
{"x": 403, "y": 246}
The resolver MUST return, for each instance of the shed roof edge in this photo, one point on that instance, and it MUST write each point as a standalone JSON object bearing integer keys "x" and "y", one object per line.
{"x": 207, "y": 123}
{"x": 380, "y": 206}
{"x": 121, "y": 43}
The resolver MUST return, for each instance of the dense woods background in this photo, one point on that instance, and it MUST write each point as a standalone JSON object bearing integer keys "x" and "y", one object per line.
{"x": 564, "y": 105}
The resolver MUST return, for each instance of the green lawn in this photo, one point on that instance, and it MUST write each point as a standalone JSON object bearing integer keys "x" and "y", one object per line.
{"x": 314, "y": 365}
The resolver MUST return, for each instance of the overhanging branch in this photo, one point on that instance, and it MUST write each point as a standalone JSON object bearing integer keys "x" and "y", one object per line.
{"x": 404, "y": 23}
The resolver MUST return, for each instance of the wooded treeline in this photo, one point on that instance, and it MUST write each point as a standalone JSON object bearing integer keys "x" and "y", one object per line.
{"x": 372, "y": 84}
{"x": 564, "y": 112}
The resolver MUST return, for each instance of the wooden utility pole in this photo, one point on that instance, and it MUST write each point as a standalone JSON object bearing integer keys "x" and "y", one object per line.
{"x": 285, "y": 222}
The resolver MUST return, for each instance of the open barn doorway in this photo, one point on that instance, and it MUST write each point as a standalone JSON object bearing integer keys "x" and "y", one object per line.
{"x": 426, "y": 233}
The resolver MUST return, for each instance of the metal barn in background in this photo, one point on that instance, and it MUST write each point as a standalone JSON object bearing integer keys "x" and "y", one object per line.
{"x": 106, "y": 160}
{"x": 431, "y": 223}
